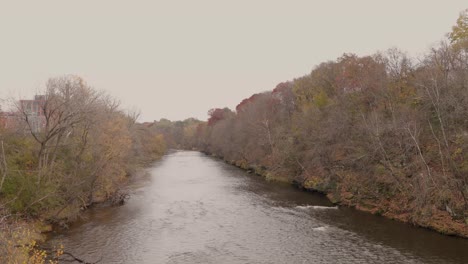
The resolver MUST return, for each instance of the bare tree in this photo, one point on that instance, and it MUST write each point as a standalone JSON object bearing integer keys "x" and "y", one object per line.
{"x": 67, "y": 102}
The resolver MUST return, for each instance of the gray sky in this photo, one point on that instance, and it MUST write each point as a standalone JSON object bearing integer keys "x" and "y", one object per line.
{"x": 177, "y": 59}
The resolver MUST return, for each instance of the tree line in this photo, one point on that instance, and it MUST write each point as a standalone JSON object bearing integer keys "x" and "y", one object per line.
{"x": 385, "y": 133}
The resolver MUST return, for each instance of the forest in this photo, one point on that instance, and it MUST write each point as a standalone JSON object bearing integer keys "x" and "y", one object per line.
{"x": 384, "y": 133}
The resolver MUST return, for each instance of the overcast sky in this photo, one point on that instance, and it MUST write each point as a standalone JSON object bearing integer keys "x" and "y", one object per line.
{"x": 177, "y": 59}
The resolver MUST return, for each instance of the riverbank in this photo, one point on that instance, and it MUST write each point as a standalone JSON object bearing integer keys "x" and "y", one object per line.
{"x": 23, "y": 239}
{"x": 81, "y": 153}
{"x": 395, "y": 208}
{"x": 377, "y": 132}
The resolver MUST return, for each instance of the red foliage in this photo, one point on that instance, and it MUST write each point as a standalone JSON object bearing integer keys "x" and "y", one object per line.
{"x": 282, "y": 88}
{"x": 359, "y": 73}
{"x": 216, "y": 115}
{"x": 241, "y": 106}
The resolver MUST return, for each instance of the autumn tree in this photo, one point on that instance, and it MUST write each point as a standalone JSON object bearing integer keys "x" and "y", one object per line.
{"x": 459, "y": 34}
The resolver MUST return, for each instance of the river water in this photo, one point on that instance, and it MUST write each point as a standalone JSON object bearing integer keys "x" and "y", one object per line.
{"x": 192, "y": 208}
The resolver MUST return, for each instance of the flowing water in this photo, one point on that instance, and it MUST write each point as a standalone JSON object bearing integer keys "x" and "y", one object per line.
{"x": 192, "y": 208}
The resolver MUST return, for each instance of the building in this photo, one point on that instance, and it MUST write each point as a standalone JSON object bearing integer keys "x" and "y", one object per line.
{"x": 34, "y": 111}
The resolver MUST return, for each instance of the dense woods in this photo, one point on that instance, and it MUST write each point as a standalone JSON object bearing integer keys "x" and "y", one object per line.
{"x": 72, "y": 148}
{"x": 385, "y": 133}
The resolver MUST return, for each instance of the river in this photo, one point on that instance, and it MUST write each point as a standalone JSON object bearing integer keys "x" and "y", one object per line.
{"x": 192, "y": 208}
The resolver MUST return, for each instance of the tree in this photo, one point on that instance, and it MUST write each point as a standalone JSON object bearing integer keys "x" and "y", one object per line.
{"x": 459, "y": 34}
{"x": 68, "y": 102}
{"x": 218, "y": 114}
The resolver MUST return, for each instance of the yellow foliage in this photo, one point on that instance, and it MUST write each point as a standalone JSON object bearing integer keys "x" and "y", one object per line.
{"x": 460, "y": 30}
{"x": 321, "y": 99}
{"x": 18, "y": 244}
